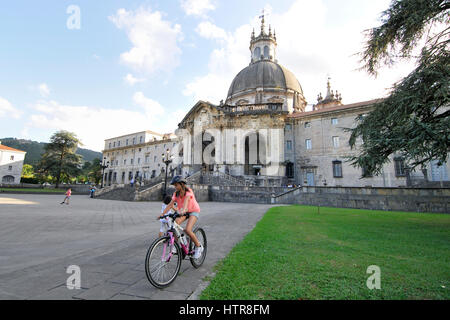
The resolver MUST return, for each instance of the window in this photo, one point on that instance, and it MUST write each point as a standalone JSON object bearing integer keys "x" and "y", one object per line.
{"x": 117, "y": 162}
{"x": 288, "y": 127}
{"x": 114, "y": 144}
{"x": 124, "y": 161}
{"x": 308, "y": 144}
{"x": 334, "y": 121}
{"x": 132, "y": 161}
{"x": 266, "y": 52}
{"x": 140, "y": 149}
{"x": 289, "y": 145}
{"x": 110, "y": 145}
{"x": 147, "y": 159}
{"x": 399, "y": 165}
{"x": 307, "y": 124}
{"x": 12, "y": 158}
{"x": 126, "y": 142}
{"x": 337, "y": 169}
{"x": 335, "y": 142}
{"x": 257, "y": 53}
{"x": 10, "y": 168}
{"x": 118, "y": 143}
{"x": 134, "y": 140}
{"x": 290, "y": 170}
{"x": 140, "y": 140}
{"x": 139, "y": 160}
{"x": 154, "y": 159}
{"x": 8, "y": 179}
{"x": 364, "y": 173}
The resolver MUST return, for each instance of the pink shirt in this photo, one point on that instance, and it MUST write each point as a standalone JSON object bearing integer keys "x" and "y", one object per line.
{"x": 192, "y": 205}
{"x": 68, "y": 193}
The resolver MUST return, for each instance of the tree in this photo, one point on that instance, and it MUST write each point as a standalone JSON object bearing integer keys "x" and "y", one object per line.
{"x": 27, "y": 171}
{"x": 59, "y": 158}
{"x": 413, "y": 121}
{"x": 95, "y": 172}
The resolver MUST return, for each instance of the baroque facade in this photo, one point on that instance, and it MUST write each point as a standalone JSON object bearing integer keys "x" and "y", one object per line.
{"x": 263, "y": 133}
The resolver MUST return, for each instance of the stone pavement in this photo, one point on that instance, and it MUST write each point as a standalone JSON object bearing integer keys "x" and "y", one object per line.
{"x": 108, "y": 240}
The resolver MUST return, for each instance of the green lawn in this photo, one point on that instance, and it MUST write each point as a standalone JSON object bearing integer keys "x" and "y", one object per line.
{"x": 294, "y": 252}
{"x": 37, "y": 190}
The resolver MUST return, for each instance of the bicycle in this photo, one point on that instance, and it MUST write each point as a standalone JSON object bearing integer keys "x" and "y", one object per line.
{"x": 162, "y": 262}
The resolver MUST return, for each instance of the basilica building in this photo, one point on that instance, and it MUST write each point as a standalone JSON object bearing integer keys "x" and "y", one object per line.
{"x": 262, "y": 132}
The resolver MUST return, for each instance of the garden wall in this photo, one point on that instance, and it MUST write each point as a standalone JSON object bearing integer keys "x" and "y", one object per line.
{"x": 394, "y": 199}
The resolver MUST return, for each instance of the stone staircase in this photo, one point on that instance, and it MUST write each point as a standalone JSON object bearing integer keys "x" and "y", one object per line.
{"x": 223, "y": 179}
{"x": 117, "y": 192}
{"x": 150, "y": 191}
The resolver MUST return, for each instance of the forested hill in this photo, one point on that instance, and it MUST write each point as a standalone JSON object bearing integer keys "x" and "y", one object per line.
{"x": 34, "y": 150}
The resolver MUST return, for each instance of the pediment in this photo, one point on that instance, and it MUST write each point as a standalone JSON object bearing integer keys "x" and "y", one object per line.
{"x": 201, "y": 111}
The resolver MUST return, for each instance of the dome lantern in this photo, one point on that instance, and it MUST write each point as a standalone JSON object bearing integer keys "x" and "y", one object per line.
{"x": 263, "y": 47}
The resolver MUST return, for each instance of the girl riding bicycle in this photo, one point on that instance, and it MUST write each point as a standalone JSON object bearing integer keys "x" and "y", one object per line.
{"x": 186, "y": 206}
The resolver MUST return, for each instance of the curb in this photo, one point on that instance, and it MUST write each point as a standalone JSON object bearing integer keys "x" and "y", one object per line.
{"x": 202, "y": 286}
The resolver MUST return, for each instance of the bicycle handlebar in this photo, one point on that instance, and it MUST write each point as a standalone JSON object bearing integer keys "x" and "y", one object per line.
{"x": 171, "y": 215}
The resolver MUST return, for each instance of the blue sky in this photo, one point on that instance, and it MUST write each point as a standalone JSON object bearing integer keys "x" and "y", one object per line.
{"x": 136, "y": 65}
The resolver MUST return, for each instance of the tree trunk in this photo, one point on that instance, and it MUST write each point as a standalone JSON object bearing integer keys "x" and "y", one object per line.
{"x": 58, "y": 177}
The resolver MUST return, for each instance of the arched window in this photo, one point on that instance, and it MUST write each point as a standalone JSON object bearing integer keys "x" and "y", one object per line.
{"x": 8, "y": 179}
{"x": 257, "y": 53}
{"x": 266, "y": 52}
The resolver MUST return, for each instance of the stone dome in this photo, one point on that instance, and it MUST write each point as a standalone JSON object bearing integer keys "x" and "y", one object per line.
{"x": 264, "y": 74}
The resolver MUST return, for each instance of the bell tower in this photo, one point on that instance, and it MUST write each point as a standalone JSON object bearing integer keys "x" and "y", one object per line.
{"x": 263, "y": 47}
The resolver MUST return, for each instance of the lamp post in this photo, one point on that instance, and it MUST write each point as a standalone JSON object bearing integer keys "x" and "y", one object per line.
{"x": 167, "y": 159}
{"x": 104, "y": 166}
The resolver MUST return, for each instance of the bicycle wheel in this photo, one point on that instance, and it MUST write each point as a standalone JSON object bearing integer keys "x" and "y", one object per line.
{"x": 201, "y": 236}
{"x": 162, "y": 267}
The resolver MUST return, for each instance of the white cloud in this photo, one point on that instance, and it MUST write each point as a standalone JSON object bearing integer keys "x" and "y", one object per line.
{"x": 95, "y": 124}
{"x": 197, "y": 7}
{"x": 209, "y": 30}
{"x": 7, "y": 110}
{"x": 154, "y": 40}
{"x": 150, "y": 106}
{"x": 225, "y": 62}
{"x": 44, "y": 90}
{"x": 131, "y": 80}
{"x": 308, "y": 44}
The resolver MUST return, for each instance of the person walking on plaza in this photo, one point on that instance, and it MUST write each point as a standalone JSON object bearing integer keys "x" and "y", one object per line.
{"x": 68, "y": 194}
{"x": 132, "y": 182}
{"x": 92, "y": 191}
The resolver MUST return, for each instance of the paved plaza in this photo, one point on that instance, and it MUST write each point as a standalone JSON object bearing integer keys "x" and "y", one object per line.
{"x": 108, "y": 240}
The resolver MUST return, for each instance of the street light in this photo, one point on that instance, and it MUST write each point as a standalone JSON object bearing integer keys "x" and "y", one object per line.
{"x": 103, "y": 166}
{"x": 167, "y": 159}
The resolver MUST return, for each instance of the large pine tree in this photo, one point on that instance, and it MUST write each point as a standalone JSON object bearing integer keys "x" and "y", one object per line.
{"x": 59, "y": 158}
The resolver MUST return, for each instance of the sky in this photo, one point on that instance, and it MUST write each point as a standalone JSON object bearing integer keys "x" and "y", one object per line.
{"x": 102, "y": 69}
